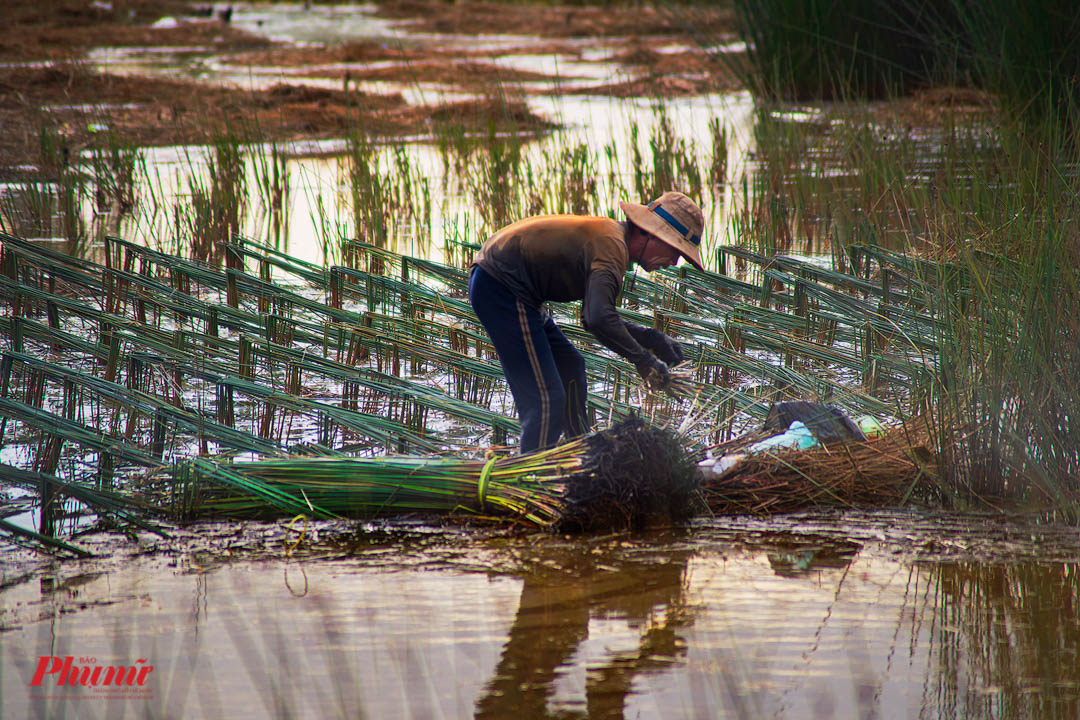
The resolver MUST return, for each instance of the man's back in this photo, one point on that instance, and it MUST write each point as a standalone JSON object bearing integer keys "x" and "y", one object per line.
{"x": 550, "y": 257}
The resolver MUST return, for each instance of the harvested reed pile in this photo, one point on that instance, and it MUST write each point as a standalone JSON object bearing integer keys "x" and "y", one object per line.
{"x": 627, "y": 476}
{"x": 881, "y": 471}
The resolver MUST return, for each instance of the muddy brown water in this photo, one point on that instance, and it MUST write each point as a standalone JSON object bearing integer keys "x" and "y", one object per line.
{"x": 883, "y": 614}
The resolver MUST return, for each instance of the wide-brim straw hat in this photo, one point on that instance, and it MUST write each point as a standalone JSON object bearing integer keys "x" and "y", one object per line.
{"x": 673, "y": 218}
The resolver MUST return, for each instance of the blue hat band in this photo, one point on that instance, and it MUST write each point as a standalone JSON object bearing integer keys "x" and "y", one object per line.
{"x": 678, "y": 226}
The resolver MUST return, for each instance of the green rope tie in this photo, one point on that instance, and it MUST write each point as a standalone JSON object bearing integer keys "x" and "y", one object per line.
{"x": 485, "y": 476}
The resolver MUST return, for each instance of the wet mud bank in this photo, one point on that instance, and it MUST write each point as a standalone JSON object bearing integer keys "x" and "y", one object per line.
{"x": 48, "y": 83}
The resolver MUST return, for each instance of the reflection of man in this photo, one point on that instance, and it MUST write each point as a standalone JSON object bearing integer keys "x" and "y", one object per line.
{"x": 562, "y": 258}
{"x": 553, "y": 619}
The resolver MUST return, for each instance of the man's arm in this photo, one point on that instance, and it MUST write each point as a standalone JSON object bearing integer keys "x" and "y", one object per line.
{"x": 601, "y": 319}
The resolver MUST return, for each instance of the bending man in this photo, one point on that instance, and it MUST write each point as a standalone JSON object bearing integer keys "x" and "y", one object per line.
{"x": 561, "y": 258}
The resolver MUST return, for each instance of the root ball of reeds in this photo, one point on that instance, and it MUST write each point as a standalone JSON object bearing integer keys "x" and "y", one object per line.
{"x": 634, "y": 475}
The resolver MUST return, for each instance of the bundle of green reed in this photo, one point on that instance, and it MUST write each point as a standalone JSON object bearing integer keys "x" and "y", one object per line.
{"x": 627, "y": 476}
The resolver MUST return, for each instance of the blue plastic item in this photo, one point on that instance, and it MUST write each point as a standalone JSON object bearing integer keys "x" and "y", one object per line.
{"x": 797, "y": 437}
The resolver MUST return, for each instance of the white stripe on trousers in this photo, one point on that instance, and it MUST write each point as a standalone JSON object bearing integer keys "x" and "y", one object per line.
{"x": 534, "y": 361}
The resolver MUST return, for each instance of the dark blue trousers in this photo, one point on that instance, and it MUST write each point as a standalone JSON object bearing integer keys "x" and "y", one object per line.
{"x": 545, "y": 372}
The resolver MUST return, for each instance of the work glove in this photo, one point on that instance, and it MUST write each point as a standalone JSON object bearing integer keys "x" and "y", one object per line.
{"x": 668, "y": 350}
{"x": 654, "y": 372}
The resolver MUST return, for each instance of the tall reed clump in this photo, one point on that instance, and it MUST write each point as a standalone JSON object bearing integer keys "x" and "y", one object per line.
{"x": 718, "y": 166}
{"x": 766, "y": 218}
{"x": 454, "y": 145}
{"x": 671, "y": 163}
{"x": 56, "y": 195}
{"x": 1008, "y": 402}
{"x": 997, "y": 207}
{"x": 369, "y": 191}
{"x": 813, "y": 49}
{"x": 274, "y": 185}
{"x": 113, "y": 164}
{"x": 995, "y": 201}
{"x": 218, "y": 202}
{"x": 495, "y": 180}
{"x": 573, "y": 181}
{"x": 385, "y": 196}
{"x": 1025, "y": 52}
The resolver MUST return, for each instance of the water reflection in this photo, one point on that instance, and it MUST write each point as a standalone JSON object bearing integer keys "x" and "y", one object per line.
{"x": 558, "y": 600}
{"x": 799, "y": 556}
{"x": 1006, "y": 639}
{"x": 711, "y": 622}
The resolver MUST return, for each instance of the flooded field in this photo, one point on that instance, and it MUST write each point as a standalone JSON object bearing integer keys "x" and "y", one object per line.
{"x": 449, "y": 133}
{"x": 244, "y": 235}
{"x": 888, "y": 615}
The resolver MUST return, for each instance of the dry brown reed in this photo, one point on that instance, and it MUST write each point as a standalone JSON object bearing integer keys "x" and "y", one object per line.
{"x": 887, "y": 470}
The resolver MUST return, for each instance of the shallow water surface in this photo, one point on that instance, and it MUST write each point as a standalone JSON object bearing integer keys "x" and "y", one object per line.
{"x": 855, "y": 615}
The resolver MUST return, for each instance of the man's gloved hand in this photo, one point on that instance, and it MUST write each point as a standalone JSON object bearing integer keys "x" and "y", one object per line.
{"x": 654, "y": 372}
{"x": 668, "y": 350}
